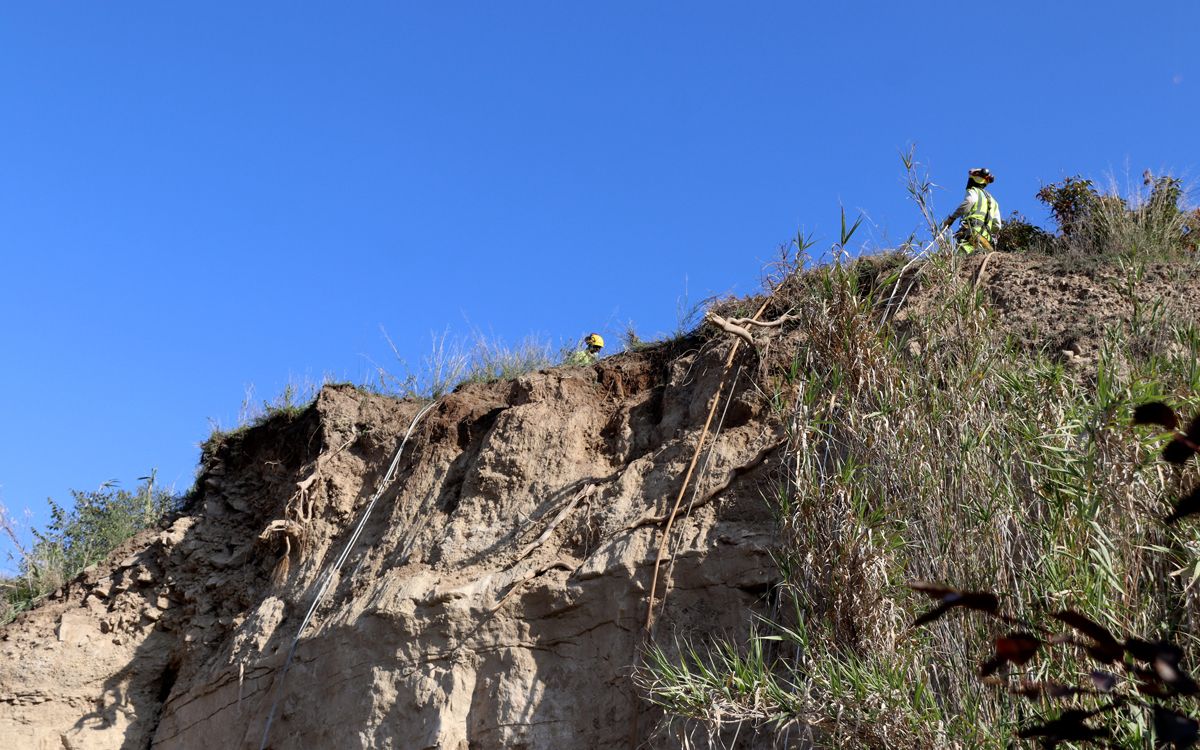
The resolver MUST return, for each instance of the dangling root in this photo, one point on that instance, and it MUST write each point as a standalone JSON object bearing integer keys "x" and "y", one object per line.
{"x": 289, "y": 532}
{"x": 300, "y": 504}
{"x": 979, "y": 272}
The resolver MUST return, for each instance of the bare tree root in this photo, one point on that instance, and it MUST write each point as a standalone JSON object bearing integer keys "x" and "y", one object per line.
{"x": 785, "y": 318}
{"x": 559, "y": 564}
{"x": 687, "y": 478}
{"x": 730, "y": 327}
{"x": 300, "y": 504}
{"x": 290, "y": 532}
{"x": 734, "y": 474}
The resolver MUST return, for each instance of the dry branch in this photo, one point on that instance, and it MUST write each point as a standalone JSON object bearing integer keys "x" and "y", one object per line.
{"x": 585, "y": 492}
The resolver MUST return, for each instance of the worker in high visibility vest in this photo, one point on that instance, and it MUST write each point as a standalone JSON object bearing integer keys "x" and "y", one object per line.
{"x": 592, "y": 344}
{"x": 980, "y": 214}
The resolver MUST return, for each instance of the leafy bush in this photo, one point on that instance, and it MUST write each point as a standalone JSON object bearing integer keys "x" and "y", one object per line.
{"x": 80, "y": 536}
{"x": 1145, "y": 224}
{"x": 1070, "y": 201}
{"x": 1019, "y": 235}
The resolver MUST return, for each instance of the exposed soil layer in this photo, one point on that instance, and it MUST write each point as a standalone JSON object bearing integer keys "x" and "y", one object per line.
{"x": 496, "y": 596}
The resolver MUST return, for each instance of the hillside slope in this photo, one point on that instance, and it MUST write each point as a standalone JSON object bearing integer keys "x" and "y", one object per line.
{"x": 497, "y": 595}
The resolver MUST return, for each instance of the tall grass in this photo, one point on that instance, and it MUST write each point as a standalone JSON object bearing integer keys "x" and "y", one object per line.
{"x": 944, "y": 451}
{"x": 455, "y": 360}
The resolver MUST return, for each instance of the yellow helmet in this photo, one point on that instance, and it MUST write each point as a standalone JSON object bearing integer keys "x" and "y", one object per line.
{"x": 981, "y": 176}
{"x": 594, "y": 339}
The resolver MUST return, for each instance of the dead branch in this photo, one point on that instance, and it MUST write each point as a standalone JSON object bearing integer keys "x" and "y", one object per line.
{"x": 585, "y": 492}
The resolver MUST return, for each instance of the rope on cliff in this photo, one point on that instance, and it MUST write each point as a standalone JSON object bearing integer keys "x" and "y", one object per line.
{"x": 330, "y": 572}
{"x": 687, "y": 514}
{"x": 687, "y": 478}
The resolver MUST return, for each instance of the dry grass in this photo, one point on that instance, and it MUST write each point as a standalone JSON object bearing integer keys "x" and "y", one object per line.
{"x": 944, "y": 453}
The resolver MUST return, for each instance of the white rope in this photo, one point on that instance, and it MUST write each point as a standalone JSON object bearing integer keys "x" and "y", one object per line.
{"x": 332, "y": 571}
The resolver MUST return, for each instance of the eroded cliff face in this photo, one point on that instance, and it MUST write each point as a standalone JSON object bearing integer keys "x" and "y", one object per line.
{"x": 495, "y": 598}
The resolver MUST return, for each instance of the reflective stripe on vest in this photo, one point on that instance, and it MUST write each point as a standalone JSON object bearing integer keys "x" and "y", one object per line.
{"x": 984, "y": 210}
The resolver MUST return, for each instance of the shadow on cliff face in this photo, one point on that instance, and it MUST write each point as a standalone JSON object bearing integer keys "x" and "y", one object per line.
{"x": 183, "y": 591}
{"x": 516, "y": 621}
{"x": 134, "y": 695}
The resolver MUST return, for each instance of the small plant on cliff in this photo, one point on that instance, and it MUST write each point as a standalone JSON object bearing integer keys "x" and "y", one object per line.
{"x": 79, "y": 536}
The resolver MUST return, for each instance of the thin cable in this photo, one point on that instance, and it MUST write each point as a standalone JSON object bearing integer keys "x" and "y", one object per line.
{"x": 331, "y": 571}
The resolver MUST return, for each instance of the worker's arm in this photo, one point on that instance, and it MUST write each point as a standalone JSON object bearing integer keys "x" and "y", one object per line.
{"x": 963, "y": 209}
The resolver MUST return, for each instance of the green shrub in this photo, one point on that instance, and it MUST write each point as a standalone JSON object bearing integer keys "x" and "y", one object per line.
{"x": 1070, "y": 201}
{"x": 977, "y": 462}
{"x": 81, "y": 536}
{"x": 1148, "y": 224}
{"x": 1018, "y": 235}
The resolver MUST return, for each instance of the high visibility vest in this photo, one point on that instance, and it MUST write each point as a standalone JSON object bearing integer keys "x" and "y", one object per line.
{"x": 984, "y": 213}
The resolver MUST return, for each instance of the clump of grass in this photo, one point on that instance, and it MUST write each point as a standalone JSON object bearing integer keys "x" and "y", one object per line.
{"x": 78, "y": 537}
{"x": 453, "y": 361}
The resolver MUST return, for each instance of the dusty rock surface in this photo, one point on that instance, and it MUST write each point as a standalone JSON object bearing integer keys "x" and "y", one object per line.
{"x": 495, "y": 598}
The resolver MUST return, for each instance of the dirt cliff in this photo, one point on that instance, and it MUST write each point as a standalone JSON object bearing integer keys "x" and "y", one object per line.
{"x": 496, "y": 595}
{"x": 495, "y": 598}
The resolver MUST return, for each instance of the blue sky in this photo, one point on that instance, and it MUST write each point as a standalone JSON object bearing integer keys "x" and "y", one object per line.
{"x": 200, "y": 198}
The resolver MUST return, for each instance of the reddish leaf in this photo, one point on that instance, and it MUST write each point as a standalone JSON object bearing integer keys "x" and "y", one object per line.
{"x": 1029, "y": 689}
{"x": 1069, "y": 727}
{"x": 1103, "y": 681}
{"x": 981, "y": 601}
{"x": 1178, "y": 451}
{"x": 1157, "y": 413}
{"x": 1104, "y": 648}
{"x": 1188, "y": 505}
{"x": 1163, "y": 658}
{"x": 1015, "y": 648}
{"x": 1175, "y": 728}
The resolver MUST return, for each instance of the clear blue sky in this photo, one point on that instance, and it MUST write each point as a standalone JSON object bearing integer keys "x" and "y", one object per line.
{"x": 199, "y": 197}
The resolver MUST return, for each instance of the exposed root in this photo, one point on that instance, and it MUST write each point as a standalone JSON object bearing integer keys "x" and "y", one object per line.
{"x": 687, "y": 477}
{"x": 980, "y": 270}
{"x": 291, "y": 533}
{"x": 730, "y": 478}
{"x": 293, "y": 528}
{"x": 786, "y": 318}
{"x": 561, "y": 563}
{"x": 730, "y": 327}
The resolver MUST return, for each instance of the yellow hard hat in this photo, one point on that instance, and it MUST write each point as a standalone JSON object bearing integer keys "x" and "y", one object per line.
{"x": 981, "y": 176}
{"x": 594, "y": 339}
